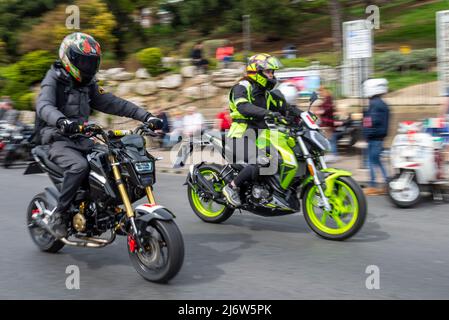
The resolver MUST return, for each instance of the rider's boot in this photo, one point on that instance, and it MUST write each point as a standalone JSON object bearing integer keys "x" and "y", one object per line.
{"x": 57, "y": 224}
{"x": 232, "y": 195}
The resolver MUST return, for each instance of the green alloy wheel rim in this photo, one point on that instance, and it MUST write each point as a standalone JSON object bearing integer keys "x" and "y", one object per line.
{"x": 208, "y": 207}
{"x": 344, "y": 209}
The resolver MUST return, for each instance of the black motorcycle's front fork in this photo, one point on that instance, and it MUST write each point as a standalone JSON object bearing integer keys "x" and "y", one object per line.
{"x": 134, "y": 234}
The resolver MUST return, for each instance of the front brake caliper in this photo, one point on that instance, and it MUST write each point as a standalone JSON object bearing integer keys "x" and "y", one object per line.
{"x": 131, "y": 243}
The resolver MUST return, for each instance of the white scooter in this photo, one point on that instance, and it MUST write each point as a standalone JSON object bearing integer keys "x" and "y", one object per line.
{"x": 416, "y": 157}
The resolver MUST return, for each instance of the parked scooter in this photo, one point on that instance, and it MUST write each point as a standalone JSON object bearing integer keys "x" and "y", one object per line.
{"x": 416, "y": 157}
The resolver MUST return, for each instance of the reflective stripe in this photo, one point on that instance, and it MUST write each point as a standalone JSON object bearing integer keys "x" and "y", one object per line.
{"x": 240, "y": 100}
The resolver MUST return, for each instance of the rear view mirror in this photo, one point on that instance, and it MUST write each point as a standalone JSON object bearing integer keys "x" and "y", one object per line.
{"x": 313, "y": 98}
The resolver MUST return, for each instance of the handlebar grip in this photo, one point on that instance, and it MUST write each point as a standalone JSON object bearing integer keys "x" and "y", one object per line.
{"x": 119, "y": 133}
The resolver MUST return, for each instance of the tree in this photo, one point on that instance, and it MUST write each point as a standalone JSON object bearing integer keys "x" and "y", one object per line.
{"x": 18, "y": 14}
{"x": 335, "y": 12}
{"x": 95, "y": 19}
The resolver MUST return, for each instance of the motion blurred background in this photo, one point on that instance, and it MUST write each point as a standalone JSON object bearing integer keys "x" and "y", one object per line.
{"x": 306, "y": 35}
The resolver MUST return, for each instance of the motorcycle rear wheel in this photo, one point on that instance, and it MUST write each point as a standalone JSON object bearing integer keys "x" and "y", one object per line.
{"x": 43, "y": 239}
{"x": 206, "y": 209}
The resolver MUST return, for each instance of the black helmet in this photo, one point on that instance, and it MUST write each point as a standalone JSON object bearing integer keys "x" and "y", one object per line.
{"x": 80, "y": 55}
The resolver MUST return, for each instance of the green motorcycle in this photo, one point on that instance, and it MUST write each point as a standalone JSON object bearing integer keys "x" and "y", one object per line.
{"x": 332, "y": 202}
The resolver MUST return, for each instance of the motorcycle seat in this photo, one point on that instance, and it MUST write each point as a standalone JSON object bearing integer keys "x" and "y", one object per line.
{"x": 42, "y": 153}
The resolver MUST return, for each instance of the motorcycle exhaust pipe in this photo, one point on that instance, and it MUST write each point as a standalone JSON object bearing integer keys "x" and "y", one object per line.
{"x": 207, "y": 186}
{"x": 89, "y": 243}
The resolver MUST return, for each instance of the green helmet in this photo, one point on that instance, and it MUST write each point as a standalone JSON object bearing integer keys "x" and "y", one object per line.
{"x": 257, "y": 64}
{"x": 80, "y": 55}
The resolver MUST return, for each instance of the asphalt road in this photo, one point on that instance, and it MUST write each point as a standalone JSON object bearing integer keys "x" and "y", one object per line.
{"x": 247, "y": 257}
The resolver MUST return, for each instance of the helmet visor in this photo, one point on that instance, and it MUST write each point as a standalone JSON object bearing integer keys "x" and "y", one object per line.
{"x": 88, "y": 65}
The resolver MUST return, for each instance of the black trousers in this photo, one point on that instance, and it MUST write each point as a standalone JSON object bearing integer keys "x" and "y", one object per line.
{"x": 71, "y": 157}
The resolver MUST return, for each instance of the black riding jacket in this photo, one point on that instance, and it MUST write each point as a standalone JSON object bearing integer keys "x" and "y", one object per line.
{"x": 63, "y": 97}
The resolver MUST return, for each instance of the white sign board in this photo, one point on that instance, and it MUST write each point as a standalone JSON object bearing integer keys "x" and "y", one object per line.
{"x": 358, "y": 44}
{"x": 358, "y": 51}
{"x": 443, "y": 50}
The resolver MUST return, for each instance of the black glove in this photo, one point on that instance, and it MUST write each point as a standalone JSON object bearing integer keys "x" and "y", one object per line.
{"x": 277, "y": 116}
{"x": 67, "y": 126}
{"x": 154, "y": 123}
{"x": 273, "y": 115}
{"x": 295, "y": 111}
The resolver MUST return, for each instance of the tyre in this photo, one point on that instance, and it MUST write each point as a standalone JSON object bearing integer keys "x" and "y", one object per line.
{"x": 43, "y": 239}
{"x": 406, "y": 198}
{"x": 205, "y": 208}
{"x": 348, "y": 210}
{"x": 163, "y": 252}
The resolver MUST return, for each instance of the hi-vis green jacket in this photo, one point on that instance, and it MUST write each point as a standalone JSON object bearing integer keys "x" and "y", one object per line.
{"x": 249, "y": 104}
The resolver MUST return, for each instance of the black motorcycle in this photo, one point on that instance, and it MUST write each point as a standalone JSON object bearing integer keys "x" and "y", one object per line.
{"x": 350, "y": 132}
{"x": 122, "y": 172}
{"x": 17, "y": 145}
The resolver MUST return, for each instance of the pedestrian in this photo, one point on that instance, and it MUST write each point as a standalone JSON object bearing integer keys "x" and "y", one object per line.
{"x": 326, "y": 112}
{"x": 198, "y": 60}
{"x": 375, "y": 128}
{"x": 193, "y": 122}
{"x": 223, "y": 120}
{"x": 165, "y": 130}
{"x": 176, "y": 127}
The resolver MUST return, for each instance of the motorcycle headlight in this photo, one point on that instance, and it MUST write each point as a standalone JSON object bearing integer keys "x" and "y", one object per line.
{"x": 144, "y": 167}
{"x": 320, "y": 140}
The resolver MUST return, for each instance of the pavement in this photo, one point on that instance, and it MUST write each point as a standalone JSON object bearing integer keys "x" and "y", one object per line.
{"x": 405, "y": 252}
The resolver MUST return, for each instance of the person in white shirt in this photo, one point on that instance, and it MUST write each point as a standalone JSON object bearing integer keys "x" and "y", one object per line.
{"x": 193, "y": 122}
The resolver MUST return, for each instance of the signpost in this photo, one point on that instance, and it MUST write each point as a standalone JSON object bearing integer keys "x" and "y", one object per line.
{"x": 443, "y": 50}
{"x": 358, "y": 51}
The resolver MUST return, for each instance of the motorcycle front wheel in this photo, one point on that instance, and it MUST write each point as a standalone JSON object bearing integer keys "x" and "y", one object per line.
{"x": 162, "y": 254}
{"x": 347, "y": 214}
{"x": 406, "y": 198}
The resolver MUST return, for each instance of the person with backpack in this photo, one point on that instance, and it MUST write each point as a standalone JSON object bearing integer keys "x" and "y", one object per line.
{"x": 69, "y": 93}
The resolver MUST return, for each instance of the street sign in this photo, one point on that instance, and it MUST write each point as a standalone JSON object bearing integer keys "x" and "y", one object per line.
{"x": 358, "y": 51}
{"x": 443, "y": 50}
{"x": 358, "y": 44}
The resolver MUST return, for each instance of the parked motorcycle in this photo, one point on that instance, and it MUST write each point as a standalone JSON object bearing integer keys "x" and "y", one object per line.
{"x": 350, "y": 132}
{"x": 333, "y": 204}
{"x": 416, "y": 158}
{"x": 17, "y": 145}
{"x": 122, "y": 172}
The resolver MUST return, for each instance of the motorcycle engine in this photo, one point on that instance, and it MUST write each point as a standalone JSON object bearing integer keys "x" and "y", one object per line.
{"x": 260, "y": 194}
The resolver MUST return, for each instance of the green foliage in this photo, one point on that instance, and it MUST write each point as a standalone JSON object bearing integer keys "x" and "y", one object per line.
{"x": 18, "y": 14}
{"x": 34, "y": 65}
{"x": 295, "y": 63}
{"x": 20, "y": 76}
{"x": 95, "y": 19}
{"x": 26, "y": 101}
{"x": 396, "y": 61}
{"x": 400, "y": 80}
{"x": 151, "y": 59}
